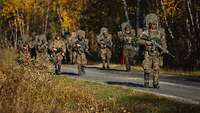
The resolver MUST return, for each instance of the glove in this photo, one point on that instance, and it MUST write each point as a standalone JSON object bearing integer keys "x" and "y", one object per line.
{"x": 54, "y": 49}
{"x": 63, "y": 54}
{"x": 149, "y": 43}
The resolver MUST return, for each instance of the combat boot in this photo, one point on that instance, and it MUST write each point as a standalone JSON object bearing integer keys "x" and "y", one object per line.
{"x": 128, "y": 68}
{"x": 156, "y": 86}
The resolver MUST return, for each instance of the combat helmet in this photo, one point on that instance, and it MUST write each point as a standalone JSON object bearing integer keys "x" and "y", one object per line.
{"x": 151, "y": 18}
{"x": 104, "y": 30}
{"x": 81, "y": 34}
{"x": 125, "y": 25}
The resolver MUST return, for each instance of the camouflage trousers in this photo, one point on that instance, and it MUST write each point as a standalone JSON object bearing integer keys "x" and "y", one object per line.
{"x": 129, "y": 54}
{"x": 57, "y": 60}
{"x": 81, "y": 61}
{"x": 151, "y": 65}
{"x": 106, "y": 56}
{"x": 74, "y": 57}
{"x": 70, "y": 56}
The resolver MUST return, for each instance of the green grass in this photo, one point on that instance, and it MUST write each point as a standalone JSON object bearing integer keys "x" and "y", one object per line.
{"x": 129, "y": 100}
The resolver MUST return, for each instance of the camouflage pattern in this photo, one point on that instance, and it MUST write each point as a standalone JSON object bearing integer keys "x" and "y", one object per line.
{"x": 80, "y": 46}
{"x": 24, "y": 47}
{"x": 41, "y": 44}
{"x": 152, "y": 54}
{"x": 72, "y": 53}
{"x": 58, "y": 51}
{"x": 127, "y": 37}
{"x": 104, "y": 40}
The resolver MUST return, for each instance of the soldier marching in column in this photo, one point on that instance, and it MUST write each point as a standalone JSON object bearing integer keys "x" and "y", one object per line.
{"x": 104, "y": 40}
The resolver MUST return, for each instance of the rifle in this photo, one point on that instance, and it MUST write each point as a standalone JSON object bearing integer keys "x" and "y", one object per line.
{"x": 160, "y": 47}
{"x": 88, "y": 53}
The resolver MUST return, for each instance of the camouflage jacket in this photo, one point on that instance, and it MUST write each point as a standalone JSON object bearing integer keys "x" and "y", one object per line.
{"x": 80, "y": 46}
{"x": 157, "y": 36}
{"x": 104, "y": 42}
{"x": 57, "y": 45}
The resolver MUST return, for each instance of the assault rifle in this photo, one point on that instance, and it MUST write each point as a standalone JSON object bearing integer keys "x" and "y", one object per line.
{"x": 159, "y": 46}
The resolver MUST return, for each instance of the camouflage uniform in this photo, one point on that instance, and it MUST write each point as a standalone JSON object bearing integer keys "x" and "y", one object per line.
{"x": 24, "y": 46}
{"x": 152, "y": 54}
{"x": 72, "y": 53}
{"x": 127, "y": 36}
{"x": 41, "y": 45}
{"x": 80, "y": 46}
{"x": 58, "y": 49}
{"x": 104, "y": 40}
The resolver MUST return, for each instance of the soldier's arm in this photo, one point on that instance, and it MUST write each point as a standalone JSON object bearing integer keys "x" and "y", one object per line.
{"x": 86, "y": 44}
{"x": 64, "y": 46}
{"x": 51, "y": 46}
{"x": 110, "y": 39}
{"x": 141, "y": 40}
{"x": 99, "y": 38}
{"x": 120, "y": 35}
{"x": 163, "y": 39}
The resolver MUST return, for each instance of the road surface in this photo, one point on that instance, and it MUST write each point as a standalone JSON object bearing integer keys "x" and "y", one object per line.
{"x": 184, "y": 89}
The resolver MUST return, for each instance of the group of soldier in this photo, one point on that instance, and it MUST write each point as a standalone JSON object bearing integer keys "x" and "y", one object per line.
{"x": 152, "y": 39}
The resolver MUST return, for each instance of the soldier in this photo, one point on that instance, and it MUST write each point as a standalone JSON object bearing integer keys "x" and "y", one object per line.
{"x": 41, "y": 44}
{"x": 127, "y": 37}
{"x": 72, "y": 53}
{"x": 104, "y": 40}
{"x": 58, "y": 52}
{"x": 152, "y": 54}
{"x": 80, "y": 46}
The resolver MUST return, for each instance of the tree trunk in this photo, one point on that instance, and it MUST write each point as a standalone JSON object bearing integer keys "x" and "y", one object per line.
{"x": 166, "y": 21}
{"x": 190, "y": 14}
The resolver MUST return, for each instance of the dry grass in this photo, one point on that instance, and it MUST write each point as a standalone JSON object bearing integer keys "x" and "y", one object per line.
{"x": 32, "y": 89}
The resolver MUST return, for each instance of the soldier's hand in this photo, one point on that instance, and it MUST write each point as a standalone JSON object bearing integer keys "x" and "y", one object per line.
{"x": 63, "y": 54}
{"x": 78, "y": 45}
{"x": 54, "y": 49}
{"x": 162, "y": 53}
{"x": 149, "y": 43}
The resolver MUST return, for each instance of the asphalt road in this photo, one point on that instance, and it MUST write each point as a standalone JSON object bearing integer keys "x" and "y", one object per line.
{"x": 183, "y": 89}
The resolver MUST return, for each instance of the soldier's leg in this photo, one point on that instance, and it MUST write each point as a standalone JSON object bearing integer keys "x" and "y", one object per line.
{"x": 74, "y": 57}
{"x": 147, "y": 63}
{"x": 54, "y": 60}
{"x": 56, "y": 68}
{"x": 156, "y": 69}
{"x": 79, "y": 70}
{"x": 126, "y": 60}
{"x": 59, "y": 67}
{"x": 146, "y": 79}
{"x": 82, "y": 61}
{"x": 128, "y": 68}
{"x": 109, "y": 54}
{"x": 83, "y": 69}
{"x": 70, "y": 57}
{"x": 103, "y": 57}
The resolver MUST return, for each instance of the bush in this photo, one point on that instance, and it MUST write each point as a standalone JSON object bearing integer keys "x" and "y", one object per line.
{"x": 32, "y": 89}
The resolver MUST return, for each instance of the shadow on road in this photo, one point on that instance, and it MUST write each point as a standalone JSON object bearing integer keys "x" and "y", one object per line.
{"x": 129, "y": 84}
{"x": 111, "y": 69}
{"x": 69, "y": 73}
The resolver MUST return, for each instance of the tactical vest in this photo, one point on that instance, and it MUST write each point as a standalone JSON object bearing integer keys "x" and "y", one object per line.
{"x": 156, "y": 36}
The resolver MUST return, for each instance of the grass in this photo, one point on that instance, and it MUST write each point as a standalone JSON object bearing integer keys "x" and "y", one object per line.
{"x": 130, "y": 101}
{"x": 32, "y": 89}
